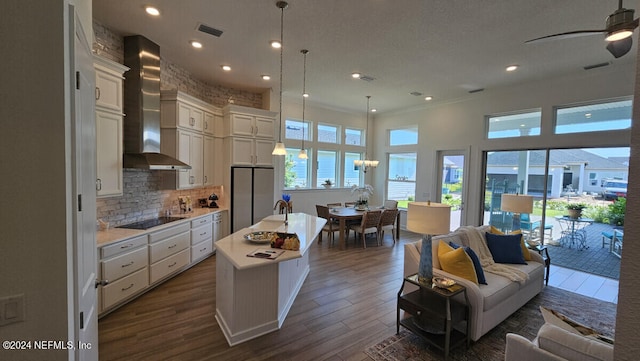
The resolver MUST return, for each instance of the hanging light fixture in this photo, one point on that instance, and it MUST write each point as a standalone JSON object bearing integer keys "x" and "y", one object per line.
{"x": 366, "y": 163}
{"x": 303, "y": 152}
{"x": 279, "y": 149}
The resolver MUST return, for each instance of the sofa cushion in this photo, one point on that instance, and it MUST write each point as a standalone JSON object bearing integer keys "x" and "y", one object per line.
{"x": 571, "y": 346}
{"x": 497, "y": 289}
{"x": 476, "y": 262}
{"x": 523, "y": 246}
{"x": 505, "y": 248}
{"x": 457, "y": 262}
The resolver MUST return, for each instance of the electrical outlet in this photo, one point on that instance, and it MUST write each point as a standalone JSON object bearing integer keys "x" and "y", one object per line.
{"x": 11, "y": 309}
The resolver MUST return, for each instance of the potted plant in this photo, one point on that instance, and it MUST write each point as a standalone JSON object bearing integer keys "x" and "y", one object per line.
{"x": 575, "y": 209}
{"x": 363, "y": 195}
{"x": 327, "y": 183}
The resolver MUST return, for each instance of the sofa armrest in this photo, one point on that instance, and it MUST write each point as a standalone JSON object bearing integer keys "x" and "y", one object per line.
{"x": 521, "y": 349}
{"x": 535, "y": 256}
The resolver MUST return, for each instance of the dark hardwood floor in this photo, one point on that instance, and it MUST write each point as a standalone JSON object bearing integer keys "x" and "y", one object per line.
{"x": 347, "y": 303}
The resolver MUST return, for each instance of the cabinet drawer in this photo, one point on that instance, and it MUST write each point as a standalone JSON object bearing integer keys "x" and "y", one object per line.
{"x": 201, "y": 250}
{"x": 169, "y": 246}
{"x": 201, "y": 221}
{"x": 122, "y": 247}
{"x": 124, "y": 287}
{"x": 169, "y": 265}
{"x": 125, "y": 264}
{"x": 201, "y": 233}
{"x": 166, "y": 233}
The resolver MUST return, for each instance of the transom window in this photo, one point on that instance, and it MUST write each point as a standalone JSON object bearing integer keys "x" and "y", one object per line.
{"x": 403, "y": 136}
{"x": 514, "y": 125}
{"x": 327, "y": 133}
{"x": 594, "y": 117}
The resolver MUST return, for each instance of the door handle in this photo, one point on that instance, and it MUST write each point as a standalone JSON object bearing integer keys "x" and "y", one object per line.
{"x": 101, "y": 283}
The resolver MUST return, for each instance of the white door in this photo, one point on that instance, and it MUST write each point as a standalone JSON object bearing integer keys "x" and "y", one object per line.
{"x": 84, "y": 195}
{"x": 452, "y": 166}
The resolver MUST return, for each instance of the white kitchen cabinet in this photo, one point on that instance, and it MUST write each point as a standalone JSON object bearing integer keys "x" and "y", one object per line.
{"x": 201, "y": 237}
{"x": 250, "y": 152}
{"x": 187, "y": 147}
{"x": 169, "y": 251}
{"x": 209, "y": 123}
{"x": 208, "y": 161}
{"x": 190, "y": 117}
{"x": 109, "y": 117}
{"x": 248, "y": 122}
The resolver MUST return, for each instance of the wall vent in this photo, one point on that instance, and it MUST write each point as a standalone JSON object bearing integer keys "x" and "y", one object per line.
{"x": 476, "y": 90}
{"x": 367, "y": 78}
{"x": 416, "y": 94}
{"x": 589, "y": 67}
{"x": 209, "y": 30}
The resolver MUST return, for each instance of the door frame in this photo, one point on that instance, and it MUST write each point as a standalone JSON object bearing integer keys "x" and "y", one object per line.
{"x": 440, "y": 154}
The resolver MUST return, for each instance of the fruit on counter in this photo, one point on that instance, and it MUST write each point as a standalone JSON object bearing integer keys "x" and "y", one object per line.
{"x": 291, "y": 243}
{"x": 277, "y": 242}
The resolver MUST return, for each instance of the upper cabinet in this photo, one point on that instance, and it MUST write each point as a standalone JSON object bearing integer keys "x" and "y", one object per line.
{"x": 248, "y": 122}
{"x": 109, "y": 117}
{"x": 189, "y": 131}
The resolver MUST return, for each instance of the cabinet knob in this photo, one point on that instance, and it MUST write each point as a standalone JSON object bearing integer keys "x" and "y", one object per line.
{"x": 101, "y": 283}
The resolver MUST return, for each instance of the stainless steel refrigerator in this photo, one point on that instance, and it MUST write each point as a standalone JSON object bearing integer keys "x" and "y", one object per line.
{"x": 251, "y": 195}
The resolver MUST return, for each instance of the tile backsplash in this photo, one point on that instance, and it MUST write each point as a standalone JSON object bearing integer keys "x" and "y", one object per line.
{"x": 143, "y": 199}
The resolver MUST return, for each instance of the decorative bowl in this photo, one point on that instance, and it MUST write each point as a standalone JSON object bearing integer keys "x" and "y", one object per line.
{"x": 259, "y": 237}
{"x": 442, "y": 282}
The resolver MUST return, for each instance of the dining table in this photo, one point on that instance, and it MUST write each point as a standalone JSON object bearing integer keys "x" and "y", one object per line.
{"x": 346, "y": 214}
{"x": 573, "y": 231}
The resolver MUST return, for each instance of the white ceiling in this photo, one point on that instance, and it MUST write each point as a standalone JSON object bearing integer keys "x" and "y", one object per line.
{"x": 442, "y": 48}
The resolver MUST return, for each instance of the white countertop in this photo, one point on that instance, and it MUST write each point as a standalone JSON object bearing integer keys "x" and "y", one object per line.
{"x": 113, "y": 234}
{"x": 235, "y": 248}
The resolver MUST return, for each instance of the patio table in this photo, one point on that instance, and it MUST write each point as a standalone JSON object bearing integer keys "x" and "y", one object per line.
{"x": 573, "y": 231}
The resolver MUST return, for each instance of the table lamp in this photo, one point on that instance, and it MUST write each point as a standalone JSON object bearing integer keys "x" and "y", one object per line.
{"x": 516, "y": 204}
{"x": 427, "y": 219}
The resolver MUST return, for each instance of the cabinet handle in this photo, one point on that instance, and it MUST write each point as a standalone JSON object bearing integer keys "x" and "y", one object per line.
{"x": 127, "y": 265}
{"x": 192, "y": 121}
{"x": 97, "y": 93}
{"x": 203, "y": 221}
{"x": 256, "y": 132}
{"x": 192, "y": 179}
{"x": 205, "y": 179}
{"x": 203, "y": 234}
{"x": 101, "y": 283}
{"x": 173, "y": 264}
{"x": 126, "y": 246}
{"x": 206, "y": 124}
{"x": 174, "y": 246}
{"x": 204, "y": 249}
{"x": 126, "y": 288}
{"x": 98, "y": 184}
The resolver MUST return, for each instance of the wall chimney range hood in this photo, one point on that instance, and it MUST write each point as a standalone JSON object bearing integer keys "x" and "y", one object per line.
{"x": 142, "y": 107}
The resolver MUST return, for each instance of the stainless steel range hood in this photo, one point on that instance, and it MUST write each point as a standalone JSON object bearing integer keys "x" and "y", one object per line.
{"x": 142, "y": 107}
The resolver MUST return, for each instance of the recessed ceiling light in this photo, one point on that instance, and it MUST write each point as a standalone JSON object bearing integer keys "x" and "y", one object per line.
{"x": 587, "y": 115}
{"x": 306, "y": 95}
{"x": 196, "y": 44}
{"x": 511, "y": 67}
{"x": 225, "y": 67}
{"x": 152, "y": 11}
{"x": 428, "y": 98}
{"x": 266, "y": 77}
{"x": 355, "y": 75}
{"x": 276, "y": 44}
{"x": 374, "y": 110}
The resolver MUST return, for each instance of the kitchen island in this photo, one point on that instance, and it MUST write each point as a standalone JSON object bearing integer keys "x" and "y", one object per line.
{"x": 254, "y": 295}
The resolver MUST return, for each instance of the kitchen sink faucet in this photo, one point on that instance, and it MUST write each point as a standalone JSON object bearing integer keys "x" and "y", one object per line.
{"x": 283, "y": 204}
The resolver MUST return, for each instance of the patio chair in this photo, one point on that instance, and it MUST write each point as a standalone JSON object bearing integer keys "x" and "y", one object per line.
{"x": 532, "y": 229}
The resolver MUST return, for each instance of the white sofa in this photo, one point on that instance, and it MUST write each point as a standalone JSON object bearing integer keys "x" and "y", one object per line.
{"x": 491, "y": 303}
{"x": 556, "y": 344}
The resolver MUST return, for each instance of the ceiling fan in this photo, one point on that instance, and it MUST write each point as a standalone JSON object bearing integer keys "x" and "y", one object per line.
{"x": 619, "y": 28}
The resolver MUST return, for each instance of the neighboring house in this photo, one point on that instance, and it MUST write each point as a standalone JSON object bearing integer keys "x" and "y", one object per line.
{"x": 573, "y": 170}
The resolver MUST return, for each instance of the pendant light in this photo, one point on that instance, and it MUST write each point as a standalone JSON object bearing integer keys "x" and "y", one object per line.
{"x": 366, "y": 163}
{"x": 303, "y": 152}
{"x": 279, "y": 149}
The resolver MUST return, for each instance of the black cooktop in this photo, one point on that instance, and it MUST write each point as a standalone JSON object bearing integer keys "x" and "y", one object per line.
{"x": 149, "y": 223}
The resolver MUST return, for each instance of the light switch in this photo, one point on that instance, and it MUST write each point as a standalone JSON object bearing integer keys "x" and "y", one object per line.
{"x": 11, "y": 309}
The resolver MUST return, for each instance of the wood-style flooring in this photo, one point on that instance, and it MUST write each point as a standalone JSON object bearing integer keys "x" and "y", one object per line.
{"x": 348, "y": 302}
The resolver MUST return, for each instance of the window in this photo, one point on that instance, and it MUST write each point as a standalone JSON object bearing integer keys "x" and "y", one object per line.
{"x": 296, "y": 170}
{"x": 326, "y": 166}
{"x": 327, "y": 134}
{"x": 514, "y": 125}
{"x": 351, "y": 174}
{"x": 403, "y": 136}
{"x": 401, "y": 179}
{"x": 353, "y": 136}
{"x": 293, "y": 129}
{"x": 594, "y": 117}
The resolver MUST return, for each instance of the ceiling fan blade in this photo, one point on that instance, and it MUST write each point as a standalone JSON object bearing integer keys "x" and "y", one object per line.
{"x": 567, "y": 35}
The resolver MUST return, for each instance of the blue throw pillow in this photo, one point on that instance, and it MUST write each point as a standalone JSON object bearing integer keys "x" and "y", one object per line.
{"x": 475, "y": 260}
{"x": 505, "y": 248}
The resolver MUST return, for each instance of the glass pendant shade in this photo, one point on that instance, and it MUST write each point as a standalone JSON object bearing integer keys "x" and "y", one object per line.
{"x": 279, "y": 149}
{"x": 303, "y": 154}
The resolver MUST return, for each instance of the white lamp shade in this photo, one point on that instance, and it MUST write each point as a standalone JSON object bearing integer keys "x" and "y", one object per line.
{"x": 517, "y": 203}
{"x": 429, "y": 218}
{"x": 303, "y": 154}
{"x": 279, "y": 149}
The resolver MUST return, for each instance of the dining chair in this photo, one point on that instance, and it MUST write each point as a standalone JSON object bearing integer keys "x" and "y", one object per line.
{"x": 331, "y": 205}
{"x": 349, "y": 204}
{"x": 390, "y": 204}
{"x": 369, "y": 224}
{"x": 330, "y": 227}
{"x": 388, "y": 221}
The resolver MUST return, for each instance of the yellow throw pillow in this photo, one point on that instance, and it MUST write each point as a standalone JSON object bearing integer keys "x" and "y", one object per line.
{"x": 457, "y": 262}
{"x": 525, "y": 250}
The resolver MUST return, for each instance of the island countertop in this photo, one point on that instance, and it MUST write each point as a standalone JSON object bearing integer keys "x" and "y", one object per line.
{"x": 235, "y": 247}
